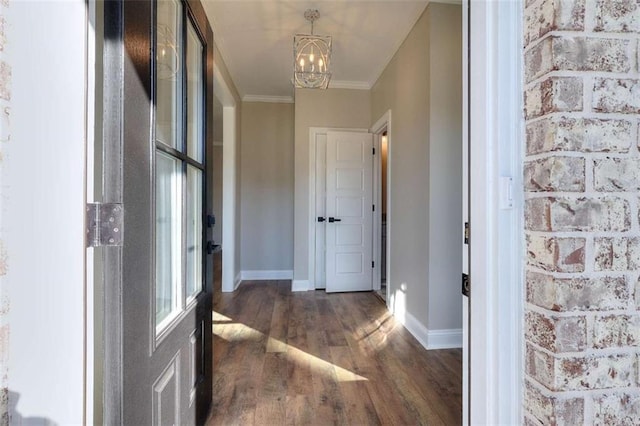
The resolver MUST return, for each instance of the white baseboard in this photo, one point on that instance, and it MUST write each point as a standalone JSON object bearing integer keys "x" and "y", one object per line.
{"x": 300, "y": 285}
{"x": 433, "y": 339}
{"x": 445, "y": 339}
{"x": 237, "y": 281}
{"x": 266, "y": 275}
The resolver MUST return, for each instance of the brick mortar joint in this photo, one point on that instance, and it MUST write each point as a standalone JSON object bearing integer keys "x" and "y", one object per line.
{"x": 565, "y": 34}
{"x": 554, "y": 154}
{"x": 578, "y": 394}
{"x": 574, "y": 196}
{"x": 530, "y": 307}
{"x": 631, "y": 75}
{"x": 578, "y": 275}
{"x": 583, "y": 115}
{"x": 629, "y": 352}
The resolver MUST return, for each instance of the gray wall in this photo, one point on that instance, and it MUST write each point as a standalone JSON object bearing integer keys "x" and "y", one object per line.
{"x": 267, "y": 186}
{"x": 421, "y": 85}
{"x": 338, "y": 108}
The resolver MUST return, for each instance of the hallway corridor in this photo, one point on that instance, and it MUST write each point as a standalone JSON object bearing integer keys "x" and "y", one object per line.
{"x": 316, "y": 358}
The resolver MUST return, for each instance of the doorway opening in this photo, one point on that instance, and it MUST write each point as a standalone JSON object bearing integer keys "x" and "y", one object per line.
{"x": 382, "y": 243}
{"x": 230, "y": 235}
{"x": 382, "y": 196}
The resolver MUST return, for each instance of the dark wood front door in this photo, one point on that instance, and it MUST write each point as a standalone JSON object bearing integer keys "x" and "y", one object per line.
{"x": 158, "y": 98}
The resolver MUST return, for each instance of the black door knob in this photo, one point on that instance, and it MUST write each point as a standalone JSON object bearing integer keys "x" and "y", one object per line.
{"x": 333, "y": 219}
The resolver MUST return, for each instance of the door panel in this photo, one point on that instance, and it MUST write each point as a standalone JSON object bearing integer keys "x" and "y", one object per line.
{"x": 158, "y": 302}
{"x": 321, "y": 197}
{"x": 349, "y": 201}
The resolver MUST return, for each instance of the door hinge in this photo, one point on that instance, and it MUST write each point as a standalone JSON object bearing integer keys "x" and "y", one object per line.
{"x": 373, "y": 264}
{"x": 466, "y": 285}
{"x": 374, "y": 151}
{"x": 467, "y": 232}
{"x": 104, "y": 224}
{"x": 373, "y": 207}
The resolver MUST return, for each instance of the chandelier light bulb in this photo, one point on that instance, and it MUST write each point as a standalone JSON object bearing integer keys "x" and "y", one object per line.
{"x": 312, "y": 57}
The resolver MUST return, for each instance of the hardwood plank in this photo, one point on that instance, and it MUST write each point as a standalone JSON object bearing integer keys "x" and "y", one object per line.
{"x": 279, "y": 329}
{"x": 317, "y": 359}
{"x": 359, "y": 409}
{"x": 299, "y": 374}
{"x": 330, "y": 323}
{"x": 272, "y": 395}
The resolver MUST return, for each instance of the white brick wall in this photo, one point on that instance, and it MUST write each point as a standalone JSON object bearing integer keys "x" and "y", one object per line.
{"x": 582, "y": 223}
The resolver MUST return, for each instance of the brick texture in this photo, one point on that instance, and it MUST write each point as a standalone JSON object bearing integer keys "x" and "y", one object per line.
{"x": 579, "y": 54}
{"x": 579, "y": 134}
{"x": 550, "y": 410}
{"x": 555, "y": 94}
{"x": 581, "y": 178}
{"x": 616, "y": 95}
{"x": 577, "y": 294}
{"x": 545, "y": 16}
{"x": 555, "y": 174}
{"x": 617, "y": 16}
{"x": 613, "y": 409}
{"x": 556, "y": 254}
{"x": 577, "y": 214}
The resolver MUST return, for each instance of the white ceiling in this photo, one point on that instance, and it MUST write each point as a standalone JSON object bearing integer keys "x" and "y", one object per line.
{"x": 256, "y": 39}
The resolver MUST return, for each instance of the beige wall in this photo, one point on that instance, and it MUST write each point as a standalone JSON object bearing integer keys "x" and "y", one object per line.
{"x": 445, "y": 166}
{"x": 336, "y": 108}
{"x": 217, "y": 192}
{"x": 267, "y": 187}
{"x": 226, "y": 76}
{"x": 421, "y": 86}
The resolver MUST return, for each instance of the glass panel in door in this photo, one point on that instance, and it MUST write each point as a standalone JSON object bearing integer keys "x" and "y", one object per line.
{"x": 168, "y": 73}
{"x": 194, "y": 95}
{"x": 194, "y": 232}
{"x": 168, "y": 237}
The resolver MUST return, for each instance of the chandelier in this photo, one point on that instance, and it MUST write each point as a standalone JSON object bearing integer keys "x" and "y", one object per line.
{"x": 312, "y": 55}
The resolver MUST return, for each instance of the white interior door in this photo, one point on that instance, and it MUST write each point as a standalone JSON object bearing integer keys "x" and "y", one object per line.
{"x": 349, "y": 210}
{"x": 320, "y": 218}
{"x": 465, "y": 215}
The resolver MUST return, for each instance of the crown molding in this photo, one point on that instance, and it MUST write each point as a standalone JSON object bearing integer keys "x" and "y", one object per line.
{"x": 355, "y": 85}
{"x": 268, "y": 99}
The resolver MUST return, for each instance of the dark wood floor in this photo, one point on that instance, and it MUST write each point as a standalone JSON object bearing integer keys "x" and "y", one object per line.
{"x": 314, "y": 358}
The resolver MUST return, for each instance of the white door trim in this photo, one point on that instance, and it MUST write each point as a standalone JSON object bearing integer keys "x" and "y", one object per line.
{"x": 496, "y": 243}
{"x": 229, "y": 184}
{"x": 383, "y": 123}
{"x": 311, "y": 223}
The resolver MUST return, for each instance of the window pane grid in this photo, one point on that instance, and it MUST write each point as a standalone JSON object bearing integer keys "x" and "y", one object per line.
{"x": 168, "y": 236}
{"x": 179, "y": 169}
{"x": 194, "y": 94}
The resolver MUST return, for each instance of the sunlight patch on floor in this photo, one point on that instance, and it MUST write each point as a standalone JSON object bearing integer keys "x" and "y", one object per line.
{"x": 216, "y": 316}
{"x": 224, "y": 328}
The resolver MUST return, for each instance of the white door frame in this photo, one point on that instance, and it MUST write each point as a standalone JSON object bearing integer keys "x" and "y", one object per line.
{"x": 230, "y": 276}
{"x": 46, "y": 136}
{"x": 496, "y": 243}
{"x": 313, "y": 133}
{"x": 383, "y": 123}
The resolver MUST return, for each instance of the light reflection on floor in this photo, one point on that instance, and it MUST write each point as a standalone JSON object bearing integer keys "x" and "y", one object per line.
{"x": 226, "y": 329}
